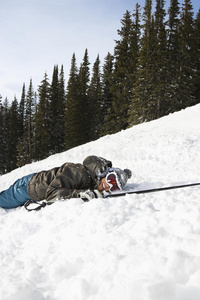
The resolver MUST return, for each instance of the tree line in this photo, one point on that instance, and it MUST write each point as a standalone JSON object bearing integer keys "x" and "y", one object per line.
{"x": 154, "y": 70}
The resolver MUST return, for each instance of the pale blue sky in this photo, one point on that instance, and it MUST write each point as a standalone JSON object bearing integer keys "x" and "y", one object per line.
{"x": 35, "y": 35}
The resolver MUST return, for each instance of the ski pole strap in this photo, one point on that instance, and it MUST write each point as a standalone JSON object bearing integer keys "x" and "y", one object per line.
{"x": 152, "y": 190}
{"x": 36, "y": 205}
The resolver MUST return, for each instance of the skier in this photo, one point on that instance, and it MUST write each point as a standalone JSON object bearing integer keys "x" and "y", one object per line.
{"x": 86, "y": 181}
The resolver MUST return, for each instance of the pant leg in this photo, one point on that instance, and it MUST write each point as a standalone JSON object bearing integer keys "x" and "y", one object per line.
{"x": 16, "y": 194}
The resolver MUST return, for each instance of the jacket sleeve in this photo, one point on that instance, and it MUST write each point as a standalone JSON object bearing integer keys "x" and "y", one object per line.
{"x": 54, "y": 194}
{"x": 68, "y": 184}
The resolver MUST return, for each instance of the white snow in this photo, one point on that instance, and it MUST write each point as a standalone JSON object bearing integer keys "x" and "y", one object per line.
{"x": 142, "y": 247}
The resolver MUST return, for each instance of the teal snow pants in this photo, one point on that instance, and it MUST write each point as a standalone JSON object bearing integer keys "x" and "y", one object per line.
{"x": 16, "y": 194}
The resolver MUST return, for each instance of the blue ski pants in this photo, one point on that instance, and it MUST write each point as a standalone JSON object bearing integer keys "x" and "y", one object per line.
{"x": 16, "y": 194}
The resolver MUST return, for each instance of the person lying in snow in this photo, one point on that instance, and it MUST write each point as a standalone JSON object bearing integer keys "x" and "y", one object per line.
{"x": 85, "y": 181}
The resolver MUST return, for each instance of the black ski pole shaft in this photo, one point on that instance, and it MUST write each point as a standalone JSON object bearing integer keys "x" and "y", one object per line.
{"x": 153, "y": 190}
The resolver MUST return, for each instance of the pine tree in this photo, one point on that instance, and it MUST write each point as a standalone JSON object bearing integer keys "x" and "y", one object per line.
{"x": 197, "y": 57}
{"x": 74, "y": 128}
{"x": 135, "y": 42}
{"x": 1, "y": 136}
{"x": 62, "y": 105}
{"x": 149, "y": 93}
{"x": 173, "y": 33}
{"x": 2, "y": 140}
{"x": 160, "y": 103}
{"x": 84, "y": 80}
{"x": 22, "y": 111}
{"x": 95, "y": 102}
{"x": 13, "y": 136}
{"x": 29, "y": 119}
{"x": 123, "y": 74}
{"x": 135, "y": 47}
{"x": 54, "y": 112}
{"x": 174, "y": 54}
{"x": 142, "y": 105}
{"x": 42, "y": 121}
{"x": 25, "y": 148}
{"x": 186, "y": 73}
{"x": 5, "y": 132}
{"x": 107, "y": 96}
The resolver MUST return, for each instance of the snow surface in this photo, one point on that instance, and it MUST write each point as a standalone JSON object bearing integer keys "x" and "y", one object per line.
{"x": 138, "y": 247}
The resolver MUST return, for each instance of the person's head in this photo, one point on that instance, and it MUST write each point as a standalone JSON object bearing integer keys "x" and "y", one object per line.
{"x": 114, "y": 179}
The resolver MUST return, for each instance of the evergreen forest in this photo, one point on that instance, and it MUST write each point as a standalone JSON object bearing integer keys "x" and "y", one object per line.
{"x": 154, "y": 70}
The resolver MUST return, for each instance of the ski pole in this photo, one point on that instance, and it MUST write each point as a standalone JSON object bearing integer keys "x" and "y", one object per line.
{"x": 152, "y": 190}
{"x": 38, "y": 205}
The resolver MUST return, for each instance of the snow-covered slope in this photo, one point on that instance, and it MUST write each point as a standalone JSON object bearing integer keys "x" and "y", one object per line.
{"x": 138, "y": 247}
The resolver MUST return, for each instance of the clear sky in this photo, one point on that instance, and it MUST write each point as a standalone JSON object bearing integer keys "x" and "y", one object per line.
{"x": 35, "y": 35}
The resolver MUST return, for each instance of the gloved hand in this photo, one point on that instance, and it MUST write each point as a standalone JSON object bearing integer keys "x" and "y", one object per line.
{"x": 89, "y": 195}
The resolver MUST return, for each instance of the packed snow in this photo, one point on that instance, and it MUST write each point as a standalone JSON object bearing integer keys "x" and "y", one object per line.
{"x": 142, "y": 247}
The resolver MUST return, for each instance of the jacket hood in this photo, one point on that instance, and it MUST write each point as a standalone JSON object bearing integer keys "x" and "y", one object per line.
{"x": 96, "y": 166}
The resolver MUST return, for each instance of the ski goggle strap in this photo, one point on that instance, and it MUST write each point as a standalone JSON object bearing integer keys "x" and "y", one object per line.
{"x": 112, "y": 181}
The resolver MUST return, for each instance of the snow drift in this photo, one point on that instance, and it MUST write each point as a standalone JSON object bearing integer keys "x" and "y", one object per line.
{"x": 143, "y": 247}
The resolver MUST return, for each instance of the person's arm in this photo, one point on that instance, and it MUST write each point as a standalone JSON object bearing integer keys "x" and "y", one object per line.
{"x": 62, "y": 188}
{"x": 63, "y": 193}
{"x": 69, "y": 183}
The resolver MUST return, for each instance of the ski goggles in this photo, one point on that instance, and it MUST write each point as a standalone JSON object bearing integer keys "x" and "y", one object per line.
{"x": 113, "y": 182}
